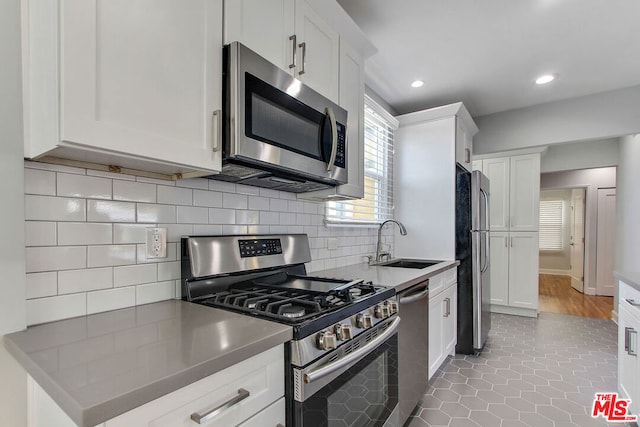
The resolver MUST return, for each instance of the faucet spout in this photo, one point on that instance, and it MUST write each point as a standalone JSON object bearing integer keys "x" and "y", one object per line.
{"x": 379, "y": 252}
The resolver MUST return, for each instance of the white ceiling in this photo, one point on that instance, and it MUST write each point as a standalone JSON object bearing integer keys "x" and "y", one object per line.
{"x": 487, "y": 53}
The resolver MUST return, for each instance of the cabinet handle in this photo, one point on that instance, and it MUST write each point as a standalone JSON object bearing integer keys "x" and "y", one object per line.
{"x": 632, "y": 351}
{"x": 467, "y": 155}
{"x": 447, "y": 310}
{"x": 511, "y": 241}
{"x": 303, "y": 46}
{"x": 633, "y": 302}
{"x": 626, "y": 339}
{"x": 201, "y": 419}
{"x": 217, "y": 135}
{"x": 293, "y": 53}
{"x": 506, "y": 242}
{"x": 280, "y": 425}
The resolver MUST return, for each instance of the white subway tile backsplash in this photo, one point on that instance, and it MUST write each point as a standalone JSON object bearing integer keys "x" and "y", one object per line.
{"x": 84, "y": 233}
{"x": 199, "y": 183}
{"x": 175, "y": 195}
{"x": 192, "y": 215}
{"x": 88, "y": 255}
{"x": 91, "y": 187}
{"x": 111, "y": 299}
{"x": 73, "y": 281}
{"x": 135, "y": 274}
{"x": 234, "y": 201}
{"x": 257, "y": 203}
{"x": 49, "y": 309}
{"x": 221, "y": 216}
{"x": 53, "y": 258}
{"x": 154, "y": 292}
{"x": 47, "y": 208}
{"x": 111, "y": 255}
{"x": 156, "y": 213}
{"x": 209, "y": 199}
{"x": 131, "y": 191}
{"x": 41, "y": 284}
{"x": 130, "y": 233}
{"x": 41, "y": 182}
{"x": 108, "y": 211}
{"x": 169, "y": 270}
{"x": 40, "y": 233}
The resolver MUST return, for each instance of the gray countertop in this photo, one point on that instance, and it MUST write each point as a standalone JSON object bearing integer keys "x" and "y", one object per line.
{"x": 631, "y": 278}
{"x": 99, "y": 366}
{"x": 399, "y": 278}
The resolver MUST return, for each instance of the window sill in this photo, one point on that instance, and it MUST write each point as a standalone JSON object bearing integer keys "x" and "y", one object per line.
{"x": 346, "y": 224}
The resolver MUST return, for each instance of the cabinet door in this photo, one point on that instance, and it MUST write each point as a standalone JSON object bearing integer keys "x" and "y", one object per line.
{"x": 318, "y": 51}
{"x": 263, "y": 26}
{"x": 499, "y": 265}
{"x": 450, "y": 317}
{"x": 523, "y": 269}
{"x": 628, "y": 329}
{"x": 524, "y": 193}
{"x": 436, "y": 341}
{"x": 143, "y": 78}
{"x": 497, "y": 170}
{"x": 463, "y": 146}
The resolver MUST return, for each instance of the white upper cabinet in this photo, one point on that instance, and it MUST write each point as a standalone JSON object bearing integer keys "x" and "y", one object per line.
{"x": 497, "y": 170}
{"x": 524, "y": 202}
{"x": 133, "y": 83}
{"x": 464, "y": 144}
{"x": 290, "y": 34}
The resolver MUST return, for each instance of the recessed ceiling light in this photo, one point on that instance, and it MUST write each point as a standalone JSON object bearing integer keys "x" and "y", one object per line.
{"x": 544, "y": 79}
{"x": 417, "y": 83}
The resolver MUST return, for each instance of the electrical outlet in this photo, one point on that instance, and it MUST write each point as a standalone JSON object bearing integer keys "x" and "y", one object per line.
{"x": 156, "y": 242}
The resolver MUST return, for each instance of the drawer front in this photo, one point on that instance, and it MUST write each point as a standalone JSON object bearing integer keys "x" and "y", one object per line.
{"x": 450, "y": 276}
{"x": 272, "y": 416}
{"x": 436, "y": 284}
{"x": 261, "y": 376}
{"x": 629, "y": 299}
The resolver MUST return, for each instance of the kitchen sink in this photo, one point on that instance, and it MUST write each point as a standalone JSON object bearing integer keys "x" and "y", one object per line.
{"x": 409, "y": 263}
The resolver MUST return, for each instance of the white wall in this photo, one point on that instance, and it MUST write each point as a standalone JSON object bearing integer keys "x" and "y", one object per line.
{"x": 591, "y": 179}
{"x": 560, "y": 260}
{"x": 604, "y": 115}
{"x": 581, "y": 155}
{"x": 628, "y": 206}
{"x": 12, "y": 300}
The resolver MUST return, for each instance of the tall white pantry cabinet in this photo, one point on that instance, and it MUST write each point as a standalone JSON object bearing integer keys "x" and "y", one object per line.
{"x": 514, "y": 186}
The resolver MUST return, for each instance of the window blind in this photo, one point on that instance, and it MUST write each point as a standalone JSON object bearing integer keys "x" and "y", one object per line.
{"x": 551, "y": 225}
{"x": 377, "y": 204}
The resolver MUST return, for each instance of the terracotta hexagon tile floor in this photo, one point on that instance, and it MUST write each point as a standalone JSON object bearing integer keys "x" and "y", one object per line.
{"x": 532, "y": 373}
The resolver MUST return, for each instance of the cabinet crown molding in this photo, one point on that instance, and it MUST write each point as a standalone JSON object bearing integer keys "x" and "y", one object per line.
{"x": 456, "y": 109}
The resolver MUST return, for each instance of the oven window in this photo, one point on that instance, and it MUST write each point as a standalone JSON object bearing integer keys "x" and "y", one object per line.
{"x": 278, "y": 119}
{"x": 365, "y": 395}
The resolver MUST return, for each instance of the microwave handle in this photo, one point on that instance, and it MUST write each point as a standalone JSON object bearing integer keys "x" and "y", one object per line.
{"x": 334, "y": 137}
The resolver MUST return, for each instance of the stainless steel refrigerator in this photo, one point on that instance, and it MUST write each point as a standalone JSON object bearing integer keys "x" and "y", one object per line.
{"x": 472, "y": 249}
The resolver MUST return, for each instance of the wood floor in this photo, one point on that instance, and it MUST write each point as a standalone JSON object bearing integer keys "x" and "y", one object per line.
{"x": 557, "y": 296}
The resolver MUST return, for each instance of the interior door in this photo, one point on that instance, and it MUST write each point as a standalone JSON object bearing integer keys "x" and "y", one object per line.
{"x": 605, "y": 241}
{"x": 577, "y": 239}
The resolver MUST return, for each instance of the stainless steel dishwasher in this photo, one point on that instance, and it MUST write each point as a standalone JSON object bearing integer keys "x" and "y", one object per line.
{"x": 413, "y": 347}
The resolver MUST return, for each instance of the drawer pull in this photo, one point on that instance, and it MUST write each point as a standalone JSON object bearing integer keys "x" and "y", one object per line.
{"x": 633, "y": 302}
{"x": 201, "y": 419}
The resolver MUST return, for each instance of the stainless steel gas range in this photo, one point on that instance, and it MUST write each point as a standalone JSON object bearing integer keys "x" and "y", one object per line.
{"x": 342, "y": 364}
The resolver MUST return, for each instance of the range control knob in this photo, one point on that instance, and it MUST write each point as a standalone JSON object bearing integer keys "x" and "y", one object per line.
{"x": 364, "y": 321}
{"x": 381, "y": 311}
{"x": 343, "y": 332}
{"x": 326, "y": 341}
{"x": 393, "y": 306}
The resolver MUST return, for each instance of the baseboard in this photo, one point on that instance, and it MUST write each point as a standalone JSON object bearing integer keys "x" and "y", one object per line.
{"x": 614, "y": 316}
{"x": 555, "y": 272}
{"x": 589, "y": 291}
{"x": 516, "y": 311}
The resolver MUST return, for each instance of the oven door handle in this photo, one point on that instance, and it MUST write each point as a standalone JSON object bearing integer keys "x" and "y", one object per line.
{"x": 329, "y": 368}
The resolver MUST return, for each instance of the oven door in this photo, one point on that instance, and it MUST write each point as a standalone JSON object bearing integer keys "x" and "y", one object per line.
{"x": 357, "y": 388}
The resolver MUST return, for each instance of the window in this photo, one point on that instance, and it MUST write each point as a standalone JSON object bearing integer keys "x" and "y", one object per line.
{"x": 551, "y": 225}
{"x": 377, "y": 204}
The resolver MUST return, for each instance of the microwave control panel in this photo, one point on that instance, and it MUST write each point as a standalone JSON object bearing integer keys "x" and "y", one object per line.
{"x": 340, "y": 152}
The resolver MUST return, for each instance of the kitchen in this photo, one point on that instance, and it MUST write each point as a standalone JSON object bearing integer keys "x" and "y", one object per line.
{"x": 349, "y": 245}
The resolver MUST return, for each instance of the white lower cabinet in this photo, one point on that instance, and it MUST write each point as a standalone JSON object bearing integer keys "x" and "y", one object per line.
{"x": 255, "y": 384}
{"x": 628, "y": 348}
{"x": 443, "y": 315}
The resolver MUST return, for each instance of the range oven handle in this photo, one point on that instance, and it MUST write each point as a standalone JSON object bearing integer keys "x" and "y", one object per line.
{"x": 329, "y": 368}
{"x": 334, "y": 137}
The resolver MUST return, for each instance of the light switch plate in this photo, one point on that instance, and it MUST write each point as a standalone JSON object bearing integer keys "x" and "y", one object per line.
{"x": 156, "y": 242}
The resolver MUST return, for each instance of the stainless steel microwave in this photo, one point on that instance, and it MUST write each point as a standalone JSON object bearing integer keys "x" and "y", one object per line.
{"x": 277, "y": 132}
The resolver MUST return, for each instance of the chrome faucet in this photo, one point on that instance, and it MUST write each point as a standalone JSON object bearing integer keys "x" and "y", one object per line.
{"x": 379, "y": 253}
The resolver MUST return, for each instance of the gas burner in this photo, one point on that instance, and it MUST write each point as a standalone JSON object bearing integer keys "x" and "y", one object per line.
{"x": 292, "y": 311}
